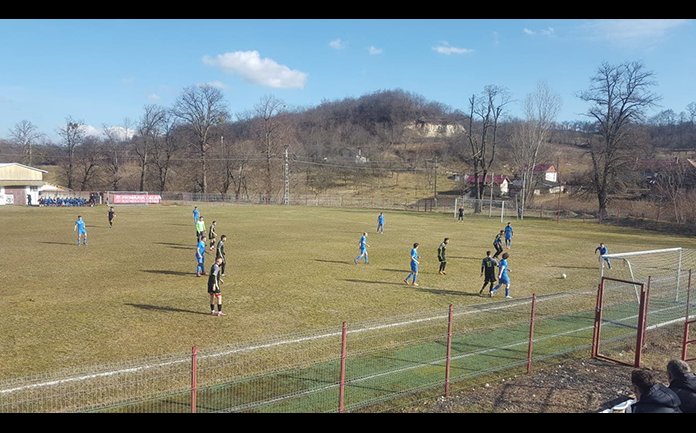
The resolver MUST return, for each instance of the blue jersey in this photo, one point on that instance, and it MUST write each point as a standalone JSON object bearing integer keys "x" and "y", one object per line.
{"x": 363, "y": 242}
{"x": 603, "y": 250}
{"x": 380, "y": 219}
{"x": 196, "y": 214}
{"x": 503, "y": 266}
{"x": 508, "y": 232}
{"x": 414, "y": 256}
{"x": 201, "y": 249}
{"x": 81, "y": 226}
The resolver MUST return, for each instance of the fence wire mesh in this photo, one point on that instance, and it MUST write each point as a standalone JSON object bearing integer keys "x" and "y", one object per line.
{"x": 386, "y": 360}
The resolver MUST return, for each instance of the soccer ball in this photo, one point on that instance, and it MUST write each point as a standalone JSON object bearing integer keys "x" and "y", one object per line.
{"x": 564, "y": 276}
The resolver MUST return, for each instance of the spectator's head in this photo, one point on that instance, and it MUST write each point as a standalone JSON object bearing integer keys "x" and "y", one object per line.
{"x": 642, "y": 380}
{"x": 505, "y": 256}
{"x": 677, "y": 369}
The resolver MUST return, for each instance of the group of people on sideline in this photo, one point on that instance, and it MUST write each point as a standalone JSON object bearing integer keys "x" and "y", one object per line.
{"x": 654, "y": 397}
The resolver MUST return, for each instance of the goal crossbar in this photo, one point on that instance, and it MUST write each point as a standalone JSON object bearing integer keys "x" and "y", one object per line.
{"x": 638, "y": 253}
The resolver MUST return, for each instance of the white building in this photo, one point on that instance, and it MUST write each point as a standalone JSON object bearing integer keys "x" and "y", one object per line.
{"x": 19, "y": 184}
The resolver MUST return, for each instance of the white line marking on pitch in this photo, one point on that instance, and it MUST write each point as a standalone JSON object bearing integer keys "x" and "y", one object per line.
{"x": 273, "y": 344}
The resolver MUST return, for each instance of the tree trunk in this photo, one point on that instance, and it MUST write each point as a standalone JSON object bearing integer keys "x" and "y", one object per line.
{"x": 602, "y": 199}
{"x": 204, "y": 172}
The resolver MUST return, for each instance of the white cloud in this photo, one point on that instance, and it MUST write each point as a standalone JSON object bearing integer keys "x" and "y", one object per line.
{"x": 374, "y": 50}
{"x": 337, "y": 44}
{"x": 153, "y": 97}
{"x": 549, "y": 31}
{"x": 250, "y": 66}
{"x": 216, "y": 83}
{"x": 120, "y": 132}
{"x": 446, "y": 49}
{"x": 91, "y": 130}
{"x": 632, "y": 30}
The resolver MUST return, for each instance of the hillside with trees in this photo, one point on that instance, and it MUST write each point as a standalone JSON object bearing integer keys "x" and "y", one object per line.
{"x": 387, "y": 142}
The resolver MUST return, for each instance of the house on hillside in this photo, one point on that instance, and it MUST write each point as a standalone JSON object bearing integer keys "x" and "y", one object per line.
{"x": 545, "y": 180}
{"x": 19, "y": 184}
{"x": 549, "y": 172}
{"x": 499, "y": 183}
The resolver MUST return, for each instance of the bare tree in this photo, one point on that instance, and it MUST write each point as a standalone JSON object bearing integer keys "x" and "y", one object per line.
{"x": 149, "y": 130}
{"x": 165, "y": 147}
{"x": 73, "y": 134}
{"x": 619, "y": 95}
{"x": 269, "y": 131}
{"x": 670, "y": 185}
{"x": 540, "y": 110}
{"x": 201, "y": 108}
{"x": 485, "y": 112}
{"x": 87, "y": 157}
{"x": 691, "y": 109}
{"x": 112, "y": 149}
{"x": 25, "y": 134}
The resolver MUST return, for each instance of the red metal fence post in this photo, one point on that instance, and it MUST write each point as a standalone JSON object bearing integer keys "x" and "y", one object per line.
{"x": 448, "y": 360}
{"x": 642, "y": 321}
{"x": 194, "y": 377}
{"x": 685, "y": 339}
{"x": 531, "y": 334}
{"x": 342, "y": 380}
{"x": 598, "y": 319}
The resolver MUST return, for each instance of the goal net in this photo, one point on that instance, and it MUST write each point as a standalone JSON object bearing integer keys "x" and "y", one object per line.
{"x": 667, "y": 268}
{"x": 488, "y": 207}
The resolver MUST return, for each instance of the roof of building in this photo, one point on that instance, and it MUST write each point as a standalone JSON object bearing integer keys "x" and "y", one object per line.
{"x": 5, "y": 164}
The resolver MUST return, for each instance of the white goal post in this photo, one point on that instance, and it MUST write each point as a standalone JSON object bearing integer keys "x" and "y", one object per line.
{"x": 470, "y": 204}
{"x": 664, "y": 266}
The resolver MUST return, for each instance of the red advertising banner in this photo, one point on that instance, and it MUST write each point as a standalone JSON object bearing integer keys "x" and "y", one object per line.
{"x": 136, "y": 198}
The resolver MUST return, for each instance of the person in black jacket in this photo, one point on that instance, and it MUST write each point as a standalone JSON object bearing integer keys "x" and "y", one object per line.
{"x": 683, "y": 382}
{"x": 652, "y": 396}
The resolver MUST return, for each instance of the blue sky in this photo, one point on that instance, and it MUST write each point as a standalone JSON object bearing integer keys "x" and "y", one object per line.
{"x": 103, "y": 71}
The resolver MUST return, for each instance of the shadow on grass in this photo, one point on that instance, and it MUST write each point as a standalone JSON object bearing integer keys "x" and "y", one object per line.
{"x": 445, "y": 292}
{"x": 59, "y": 243}
{"x": 161, "y": 308}
{"x": 467, "y": 257}
{"x": 572, "y": 267}
{"x": 405, "y": 271}
{"x": 374, "y": 282}
{"x": 167, "y": 272}
{"x": 340, "y": 262}
{"x": 176, "y": 246}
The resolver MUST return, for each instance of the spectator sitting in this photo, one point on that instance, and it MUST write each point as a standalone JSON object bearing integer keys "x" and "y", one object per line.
{"x": 652, "y": 396}
{"x": 683, "y": 382}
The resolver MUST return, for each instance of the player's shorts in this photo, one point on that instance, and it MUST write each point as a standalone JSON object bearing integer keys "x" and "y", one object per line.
{"x": 508, "y": 238}
{"x": 82, "y": 232}
{"x": 213, "y": 291}
{"x": 414, "y": 267}
{"x": 490, "y": 279}
{"x": 504, "y": 280}
{"x": 363, "y": 250}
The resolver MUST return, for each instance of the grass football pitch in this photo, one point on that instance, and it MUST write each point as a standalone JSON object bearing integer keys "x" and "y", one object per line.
{"x": 132, "y": 292}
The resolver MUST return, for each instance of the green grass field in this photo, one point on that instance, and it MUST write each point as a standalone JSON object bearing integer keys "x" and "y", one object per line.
{"x": 133, "y": 292}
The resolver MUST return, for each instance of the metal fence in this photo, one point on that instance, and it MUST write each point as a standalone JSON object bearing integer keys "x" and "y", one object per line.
{"x": 302, "y": 373}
